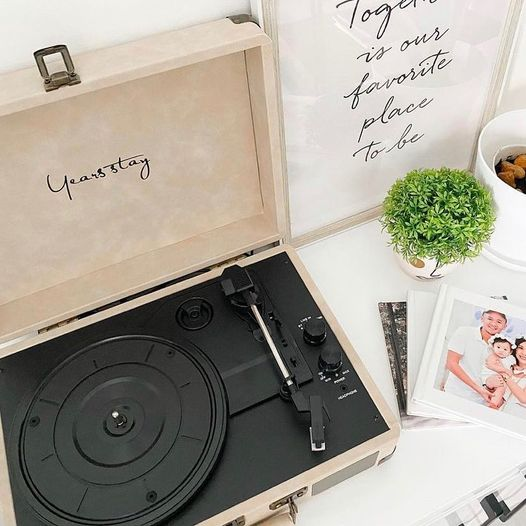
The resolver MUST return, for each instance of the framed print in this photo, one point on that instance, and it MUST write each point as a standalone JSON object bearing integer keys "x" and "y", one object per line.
{"x": 373, "y": 89}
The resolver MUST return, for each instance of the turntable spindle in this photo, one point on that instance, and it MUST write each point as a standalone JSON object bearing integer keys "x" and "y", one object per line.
{"x": 118, "y": 419}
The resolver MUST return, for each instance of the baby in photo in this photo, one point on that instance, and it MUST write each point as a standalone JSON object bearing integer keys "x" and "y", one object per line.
{"x": 500, "y": 360}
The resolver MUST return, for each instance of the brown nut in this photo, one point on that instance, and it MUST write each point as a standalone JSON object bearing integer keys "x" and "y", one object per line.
{"x": 508, "y": 178}
{"x": 518, "y": 172}
{"x": 520, "y": 161}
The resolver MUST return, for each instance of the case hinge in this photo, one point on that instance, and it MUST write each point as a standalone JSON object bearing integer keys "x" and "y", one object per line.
{"x": 243, "y": 19}
{"x": 57, "y": 325}
{"x": 56, "y": 80}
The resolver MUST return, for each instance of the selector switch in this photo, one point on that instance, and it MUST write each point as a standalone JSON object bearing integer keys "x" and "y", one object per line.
{"x": 315, "y": 331}
{"x": 330, "y": 359}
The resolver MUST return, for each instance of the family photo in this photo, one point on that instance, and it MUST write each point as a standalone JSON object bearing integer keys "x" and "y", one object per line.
{"x": 484, "y": 358}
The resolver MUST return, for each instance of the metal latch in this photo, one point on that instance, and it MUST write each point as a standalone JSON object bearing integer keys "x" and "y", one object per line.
{"x": 61, "y": 78}
{"x": 289, "y": 500}
{"x": 240, "y": 521}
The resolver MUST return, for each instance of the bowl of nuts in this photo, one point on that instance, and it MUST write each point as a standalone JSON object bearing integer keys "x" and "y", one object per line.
{"x": 501, "y": 165}
{"x": 510, "y": 166}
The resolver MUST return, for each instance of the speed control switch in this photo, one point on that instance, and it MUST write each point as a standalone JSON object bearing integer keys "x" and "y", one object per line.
{"x": 330, "y": 359}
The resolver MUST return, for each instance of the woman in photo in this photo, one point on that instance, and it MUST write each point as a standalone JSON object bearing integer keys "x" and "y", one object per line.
{"x": 516, "y": 384}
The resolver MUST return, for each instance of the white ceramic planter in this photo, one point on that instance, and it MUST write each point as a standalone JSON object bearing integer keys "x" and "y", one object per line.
{"x": 505, "y": 135}
{"x": 424, "y": 269}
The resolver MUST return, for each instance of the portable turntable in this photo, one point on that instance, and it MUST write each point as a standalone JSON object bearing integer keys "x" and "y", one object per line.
{"x": 175, "y": 363}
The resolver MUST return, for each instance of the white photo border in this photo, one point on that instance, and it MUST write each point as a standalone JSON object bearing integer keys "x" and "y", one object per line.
{"x": 425, "y": 391}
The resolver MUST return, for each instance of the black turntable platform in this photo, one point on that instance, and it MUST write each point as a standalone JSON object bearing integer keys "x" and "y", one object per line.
{"x": 176, "y": 410}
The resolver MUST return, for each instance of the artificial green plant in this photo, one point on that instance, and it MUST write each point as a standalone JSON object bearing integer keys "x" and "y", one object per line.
{"x": 443, "y": 214}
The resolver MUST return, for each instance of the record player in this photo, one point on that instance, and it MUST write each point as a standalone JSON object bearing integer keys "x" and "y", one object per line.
{"x": 170, "y": 361}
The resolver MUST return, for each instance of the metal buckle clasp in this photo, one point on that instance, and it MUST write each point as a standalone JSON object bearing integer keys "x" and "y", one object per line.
{"x": 289, "y": 500}
{"x": 61, "y": 78}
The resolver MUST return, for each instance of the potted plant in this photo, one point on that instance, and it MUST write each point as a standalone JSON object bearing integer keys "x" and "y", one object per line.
{"x": 437, "y": 218}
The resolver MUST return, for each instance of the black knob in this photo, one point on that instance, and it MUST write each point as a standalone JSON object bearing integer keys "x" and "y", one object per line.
{"x": 314, "y": 331}
{"x": 330, "y": 359}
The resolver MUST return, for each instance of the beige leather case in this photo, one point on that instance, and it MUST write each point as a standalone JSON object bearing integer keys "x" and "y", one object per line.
{"x": 196, "y": 109}
{"x": 163, "y": 161}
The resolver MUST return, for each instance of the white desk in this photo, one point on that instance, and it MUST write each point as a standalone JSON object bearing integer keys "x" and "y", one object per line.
{"x": 355, "y": 270}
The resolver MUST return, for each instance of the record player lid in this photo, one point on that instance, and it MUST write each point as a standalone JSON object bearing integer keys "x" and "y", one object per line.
{"x": 165, "y": 159}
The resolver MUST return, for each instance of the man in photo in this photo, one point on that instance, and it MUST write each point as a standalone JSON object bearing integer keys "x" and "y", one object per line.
{"x": 467, "y": 351}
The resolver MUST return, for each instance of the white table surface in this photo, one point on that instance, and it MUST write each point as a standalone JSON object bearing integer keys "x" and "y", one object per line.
{"x": 355, "y": 270}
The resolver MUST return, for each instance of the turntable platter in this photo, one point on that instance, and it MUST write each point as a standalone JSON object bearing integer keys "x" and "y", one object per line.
{"x": 126, "y": 431}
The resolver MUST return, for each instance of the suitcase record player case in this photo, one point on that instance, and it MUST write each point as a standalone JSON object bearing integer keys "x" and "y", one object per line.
{"x": 169, "y": 361}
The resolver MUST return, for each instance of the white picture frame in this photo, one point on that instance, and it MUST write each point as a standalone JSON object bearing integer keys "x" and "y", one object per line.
{"x": 451, "y": 313}
{"x": 322, "y": 199}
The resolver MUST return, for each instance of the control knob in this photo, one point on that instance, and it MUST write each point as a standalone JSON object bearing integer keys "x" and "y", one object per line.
{"x": 314, "y": 331}
{"x": 330, "y": 359}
